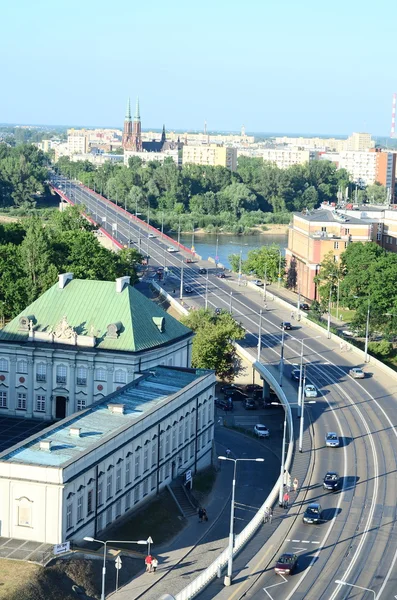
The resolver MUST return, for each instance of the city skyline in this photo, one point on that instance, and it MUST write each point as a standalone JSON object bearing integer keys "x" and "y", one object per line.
{"x": 272, "y": 68}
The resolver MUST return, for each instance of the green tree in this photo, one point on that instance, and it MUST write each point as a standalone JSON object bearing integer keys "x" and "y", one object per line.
{"x": 36, "y": 258}
{"x": 292, "y": 275}
{"x": 266, "y": 258}
{"x": 213, "y": 346}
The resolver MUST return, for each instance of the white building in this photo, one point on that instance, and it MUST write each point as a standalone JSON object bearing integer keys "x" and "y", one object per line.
{"x": 211, "y": 155}
{"x": 77, "y": 477}
{"x": 285, "y": 158}
{"x": 156, "y": 156}
{"x": 80, "y": 341}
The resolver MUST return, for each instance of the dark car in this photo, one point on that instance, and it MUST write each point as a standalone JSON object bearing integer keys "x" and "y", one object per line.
{"x": 331, "y": 481}
{"x": 202, "y": 271}
{"x": 236, "y": 395}
{"x": 221, "y": 275}
{"x": 312, "y": 513}
{"x": 304, "y": 306}
{"x": 249, "y": 404}
{"x": 286, "y": 564}
{"x": 188, "y": 289}
{"x": 230, "y": 387}
{"x": 285, "y": 325}
{"x": 223, "y": 404}
{"x": 295, "y": 374}
{"x": 252, "y": 387}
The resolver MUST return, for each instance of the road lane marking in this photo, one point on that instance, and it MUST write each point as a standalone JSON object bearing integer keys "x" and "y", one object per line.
{"x": 274, "y": 585}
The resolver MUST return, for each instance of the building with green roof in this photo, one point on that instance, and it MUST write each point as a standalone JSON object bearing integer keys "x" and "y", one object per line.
{"x": 80, "y": 341}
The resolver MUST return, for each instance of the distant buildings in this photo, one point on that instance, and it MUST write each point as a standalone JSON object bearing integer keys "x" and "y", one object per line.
{"x": 285, "y": 158}
{"x": 211, "y": 155}
{"x": 357, "y": 142}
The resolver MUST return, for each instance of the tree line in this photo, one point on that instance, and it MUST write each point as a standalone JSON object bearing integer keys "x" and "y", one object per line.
{"x": 23, "y": 173}
{"x": 212, "y": 197}
{"x": 32, "y": 256}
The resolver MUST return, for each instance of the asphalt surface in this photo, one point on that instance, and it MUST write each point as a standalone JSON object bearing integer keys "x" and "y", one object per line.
{"x": 357, "y": 540}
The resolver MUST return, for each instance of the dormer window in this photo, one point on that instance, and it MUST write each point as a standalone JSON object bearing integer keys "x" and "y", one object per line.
{"x": 113, "y": 330}
{"x": 160, "y": 323}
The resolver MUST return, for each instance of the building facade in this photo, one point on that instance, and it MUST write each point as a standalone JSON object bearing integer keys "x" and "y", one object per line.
{"x": 286, "y": 158}
{"x": 75, "y": 478}
{"x": 81, "y": 341}
{"x": 212, "y": 155}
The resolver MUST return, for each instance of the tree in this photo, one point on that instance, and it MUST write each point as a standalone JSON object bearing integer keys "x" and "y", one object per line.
{"x": 213, "y": 346}
{"x": 292, "y": 275}
{"x": 36, "y": 258}
{"x": 126, "y": 264}
{"x": 265, "y": 259}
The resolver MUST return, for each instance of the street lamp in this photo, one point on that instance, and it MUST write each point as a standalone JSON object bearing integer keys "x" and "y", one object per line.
{"x": 206, "y": 292}
{"x": 91, "y": 539}
{"x": 265, "y": 284}
{"x": 260, "y": 336}
{"x": 279, "y": 269}
{"x": 228, "y": 577}
{"x": 282, "y": 355}
{"x": 340, "y": 582}
{"x": 216, "y": 252}
{"x": 239, "y": 267}
{"x": 366, "y": 329}
{"x": 230, "y": 303}
{"x": 179, "y": 230}
{"x": 329, "y": 313}
{"x": 301, "y": 368}
{"x": 181, "y": 288}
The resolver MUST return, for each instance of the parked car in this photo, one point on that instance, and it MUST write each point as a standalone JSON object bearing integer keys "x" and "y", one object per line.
{"x": 332, "y": 440}
{"x": 249, "y": 404}
{"x": 331, "y": 481}
{"x": 356, "y": 373}
{"x": 203, "y": 271}
{"x": 310, "y": 391}
{"x": 223, "y": 404}
{"x": 236, "y": 395}
{"x": 304, "y": 306}
{"x": 189, "y": 260}
{"x": 221, "y": 275}
{"x": 261, "y": 431}
{"x": 252, "y": 387}
{"x": 187, "y": 289}
{"x": 286, "y": 564}
{"x": 257, "y": 282}
{"x": 285, "y": 325}
{"x": 312, "y": 513}
{"x": 229, "y": 387}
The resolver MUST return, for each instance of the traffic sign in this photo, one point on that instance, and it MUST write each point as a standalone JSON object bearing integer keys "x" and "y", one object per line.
{"x": 118, "y": 563}
{"x": 61, "y": 548}
{"x": 217, "y": 258}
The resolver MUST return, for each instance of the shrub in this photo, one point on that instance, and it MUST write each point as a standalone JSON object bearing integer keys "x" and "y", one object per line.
{"x": 382, "y": 349}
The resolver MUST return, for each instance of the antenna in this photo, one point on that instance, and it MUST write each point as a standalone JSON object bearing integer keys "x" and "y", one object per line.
{"x": 205, "y": 127}
{"x": 393, "y": 117}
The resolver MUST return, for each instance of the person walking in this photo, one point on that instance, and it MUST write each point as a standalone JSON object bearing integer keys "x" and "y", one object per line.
{"x": 155, "y": 564}
{"x": 286, "y": 500}
{"x": 270, "y": 515}
{"x": 266, "y": 515}
{"x": 200, "y": 514}
{"x": 228, "y": 452}
{"x": 148, "y": 563}
{"x": 205, "y": 516}
{"x": 295, "y": 484}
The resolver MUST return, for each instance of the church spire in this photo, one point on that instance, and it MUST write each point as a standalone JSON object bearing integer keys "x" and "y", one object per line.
{"x": 163, "y": 138}
{"x": 128, "y": 112}
{"x": 137, "y": 116}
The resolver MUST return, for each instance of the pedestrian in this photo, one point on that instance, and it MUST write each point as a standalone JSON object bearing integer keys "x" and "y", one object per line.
{"x": 295, "y": 484}
{"x": 266, "y": 515}
{"x": 286, "y": 500}
{"x": 270, "y": 515}
{"x": 292, "y": 314}
{"x": 173, "y": 291}
{"x": 228, "y": 453}
{"x": 155, "y": 564}
{"x": 148, "y": 563}
{"x": 205, "y": 516}
{"x": 200, "y": 515}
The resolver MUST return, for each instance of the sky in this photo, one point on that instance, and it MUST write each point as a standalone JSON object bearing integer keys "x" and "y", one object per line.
{"x": 272, "y": 65}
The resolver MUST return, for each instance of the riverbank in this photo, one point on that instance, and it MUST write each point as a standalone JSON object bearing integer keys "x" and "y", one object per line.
{"x": 268, "y": 229}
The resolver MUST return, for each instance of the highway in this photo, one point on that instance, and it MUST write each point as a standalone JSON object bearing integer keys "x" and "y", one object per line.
{"x": 357, "y": 539}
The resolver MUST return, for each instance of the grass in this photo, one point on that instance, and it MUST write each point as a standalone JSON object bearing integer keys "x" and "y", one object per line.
{"x": 203, "y": 482}
{"x": 158, "y": 518}
{"x": 345, "y": 314}
{"x": 12, "y": 573}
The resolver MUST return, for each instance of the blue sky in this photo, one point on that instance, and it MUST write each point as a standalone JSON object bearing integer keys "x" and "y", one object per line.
{"x": 273, "y": 65}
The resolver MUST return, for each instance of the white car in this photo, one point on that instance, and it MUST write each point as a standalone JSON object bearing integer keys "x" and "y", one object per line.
{"x": 261, "y": 431}
{"x": 151, "y": 235}
{"x": 332, "y": 440}
{"x": 310, "y": 391}
{"x": 356, "y": 373}
{"x": 171, "y": 249}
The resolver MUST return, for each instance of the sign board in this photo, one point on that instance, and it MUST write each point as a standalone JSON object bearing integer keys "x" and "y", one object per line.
{"x": 188, "y": 476}
{"x": 117, "y": 563}
{"x": 60, "y": 548}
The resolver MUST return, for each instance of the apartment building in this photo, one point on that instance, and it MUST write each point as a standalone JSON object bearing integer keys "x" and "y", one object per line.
{"x": 369, "y": 167}
{"x": 78, "y": 143}
{"x": 211, "y": 155}
{"x": 156, "y": 156}
{"x": 356, "y": 142}
{"x": 285, "y": 158}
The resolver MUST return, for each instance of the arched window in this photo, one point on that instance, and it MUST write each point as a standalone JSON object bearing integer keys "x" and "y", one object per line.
{"x": 4, "y": 365}
{"x": 22, "y": 366}
{"x": 120, "y": 376}
{"x": 41, "y": 372}
{"x": 81, "y": 376}
{"x": 100, "y": 374}
{"x": 61, "y": 374}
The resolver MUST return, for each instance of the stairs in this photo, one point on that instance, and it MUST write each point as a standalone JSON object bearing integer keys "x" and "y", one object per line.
{"x": 178, "y": 493}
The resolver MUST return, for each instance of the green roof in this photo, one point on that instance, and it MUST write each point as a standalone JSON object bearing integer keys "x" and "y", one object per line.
{"x": 90, "y": 307}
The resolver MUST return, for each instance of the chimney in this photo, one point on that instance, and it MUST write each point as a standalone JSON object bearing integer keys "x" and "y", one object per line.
{"x": 75, "y": 431}
{"x": 63, "y": 279}
{"x": 116, "y": 409}
{"x": 121, "y": 282}
{"x": 45, "y": 445}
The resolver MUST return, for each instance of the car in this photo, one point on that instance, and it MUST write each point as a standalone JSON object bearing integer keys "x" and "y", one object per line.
{"x": 171, "y": 249}
{"x": 257, "y": 282}
{"x": 312, "y": 513}
{"x": 285, "y": 325}
{"x": 187, "y": 289}
{"x": 356, "y": 373}
{"x": 223, "y": 404}
{"x": 261, "y": 431}
{"x": 331, "y": 481}
{"x": 236, "y": 394}
{"x": 304, "y": 306}
{"x": 286, "y": 564}
{"x": 230, "y": 387}
{"x": 310, "y": 391}
{"x": 249, "y": 404}
{"x": 189, "y": 260}
{"x": 252, "y": 387}
{"x": 221, "y": 275}
{"x": 295, "y": 374}
{"x": 332, "y": 440}
{"x": 202, "y": 271}
{"x": 151, "y": 235}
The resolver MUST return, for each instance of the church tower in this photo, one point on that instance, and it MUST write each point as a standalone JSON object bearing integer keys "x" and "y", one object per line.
{"x": 132, "y": 138}
{"x": 127, "y": 132}
{"x": 136, "y": 129}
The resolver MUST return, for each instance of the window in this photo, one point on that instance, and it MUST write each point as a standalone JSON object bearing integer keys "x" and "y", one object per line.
{"x": 186, "y": 429}
{"x": 127, "y": 500}
{"x": 146, "y": 458}
{"x": 154, "y": 453}
{"x": 323, "y": 229}
{"x": 180, "y": 436}
{"x": 81, "y": 376}
{"x": 24, "y": 515}
{"x": 146, "y": 487}
{"x": 3, "y": 399}
{"x": 174, "y": 438}
{"x": 118, "y": 508}
{"x": 347, "y": 231}
{"x": 3, "y": 364}
{"x": 153, "y": 481}
{"x": 21, "y": 403}
{"x": 61, "y": 374}
{"x": 100, "y": 375}
{"x": 100, "y": 493}
{"x": 79, "y": 508}
{"x": 81, "y": 403}
{"x": 99, "y": 523}
{"x": 109, "y": 487}
{"x": 109, "y": 515}
{"x": 137, "y": 465}
{"x": 120, "y": 376}
{"x": 192, "y": 426}
{"x": 40, "y": 403}
{"x": 336, "y": 245}
{"x": 41, "y": 372}
{"x": 22, "y": 366}
{"x": 127, "y": 472}
{"x": 69, "y": 516}
{"x": 136, "y": 494}
{"x": 118, "y": 480}
{"x": 167, "y": 444}
{"x": 89, "y": 502}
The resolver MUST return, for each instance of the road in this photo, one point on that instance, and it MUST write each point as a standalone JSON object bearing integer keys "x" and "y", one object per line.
{"x": 357, "y": 540}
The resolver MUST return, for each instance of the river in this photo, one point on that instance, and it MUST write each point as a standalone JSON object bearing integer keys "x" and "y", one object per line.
{"x": 205, "y": 244}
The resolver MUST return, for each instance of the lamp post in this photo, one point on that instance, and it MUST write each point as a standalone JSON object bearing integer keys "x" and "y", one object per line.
{"x": 329, "y": 313}
{"x": 300, "y": 388}
{"x": 228, "y": 577}
{"x": 192, "y": 248}
{"x": 282, "y": 355}
{"x": 91, "y": 539}
{"x": 230, "y": 303}
{"x": 265, "y": 284}
{"x": 260, "y": 336}
{"x": 162, "y": 224}
{"x": 179, "y": 230}
{"x": 340, "y": 582}
{"x": 216, "y": 252}
{"x": 181, "y": 288}
{"x": 366, "y": 329}
{"x": 279, "y": 270}
{"x": 206, "y": 292}
{"x": 239, "y": 268}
